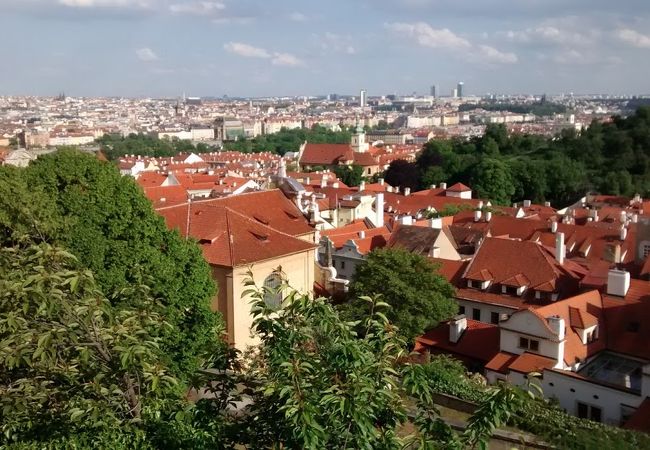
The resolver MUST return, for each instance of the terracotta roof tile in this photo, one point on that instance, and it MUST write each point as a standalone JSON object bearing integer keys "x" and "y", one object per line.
{"x": 479, "y": 341}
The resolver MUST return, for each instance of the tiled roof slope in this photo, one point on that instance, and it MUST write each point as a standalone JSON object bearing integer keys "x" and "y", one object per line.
{"x": 229, "y": 238}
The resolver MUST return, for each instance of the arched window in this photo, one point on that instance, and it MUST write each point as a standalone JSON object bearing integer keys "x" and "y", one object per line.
{"x": 272, "y": 295}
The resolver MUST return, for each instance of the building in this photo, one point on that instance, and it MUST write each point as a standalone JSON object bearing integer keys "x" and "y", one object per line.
{"x": 460, "y": 89}
{"x": 433, "y": 91}
{"x": 363, "y": 98}
{"x": 228, "y": 129}
{"x": 239, "y": 238}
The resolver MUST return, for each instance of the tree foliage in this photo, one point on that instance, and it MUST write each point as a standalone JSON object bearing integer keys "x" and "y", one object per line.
{"x": 349, "y": 175}
{"x": 71, "y": 364}
{"x": 418, "y": 296}
{"x": 610, "y": 158}
{"x": 104, "y": 219}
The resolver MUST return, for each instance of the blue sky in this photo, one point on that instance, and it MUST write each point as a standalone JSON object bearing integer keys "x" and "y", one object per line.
{"x": 290, "y": 47}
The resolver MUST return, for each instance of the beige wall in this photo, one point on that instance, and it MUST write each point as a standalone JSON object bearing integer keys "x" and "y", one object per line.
{"x": 299, "y": 271}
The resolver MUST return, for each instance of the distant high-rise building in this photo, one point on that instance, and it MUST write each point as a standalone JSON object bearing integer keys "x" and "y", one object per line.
{"x": 460, "y": 88}
{"x": 433, "y": 90}
{"x": 363, "y": 98}
{"x": 454, "y": 93}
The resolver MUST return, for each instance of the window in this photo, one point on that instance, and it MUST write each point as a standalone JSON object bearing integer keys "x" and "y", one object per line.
{"x": 529, "y": 344}
{"x": 342, "y": 264}
{"x": 461, "y": 309}
{"x": 589, "y": 412}
{"x": 494, "y": 317}
{"x": 476, "y": 314}
{"x": 272, "y": 294}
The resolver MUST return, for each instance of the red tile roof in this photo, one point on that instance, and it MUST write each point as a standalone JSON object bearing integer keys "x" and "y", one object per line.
{"x": 628, "y": 320}
{"x": 501, "y": 362}
{"x": 479, "y": 341}
{"x": 166, "y": 195}
{"x": 458, "y": 187}
{"x": 530, "y": 362}
{"x": 229, "y": 238}
{"x": 270, "y": 208}
{"x": 450, "y": 270}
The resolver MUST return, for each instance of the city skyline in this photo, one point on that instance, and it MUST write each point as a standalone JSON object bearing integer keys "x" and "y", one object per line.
{"x": 160, "y": 48}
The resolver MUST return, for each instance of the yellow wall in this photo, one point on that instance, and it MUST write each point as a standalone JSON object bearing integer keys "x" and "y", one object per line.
{"x": 299, "y": 271}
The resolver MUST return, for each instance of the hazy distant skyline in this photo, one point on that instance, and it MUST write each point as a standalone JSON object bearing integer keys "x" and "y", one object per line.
{"x": 276, "y": 48}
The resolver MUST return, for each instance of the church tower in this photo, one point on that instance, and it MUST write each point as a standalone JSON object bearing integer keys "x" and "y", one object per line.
{"x": 358, "y": 142}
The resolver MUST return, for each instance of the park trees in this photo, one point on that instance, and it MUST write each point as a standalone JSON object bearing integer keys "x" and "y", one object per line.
{"x": 409, "y": 283}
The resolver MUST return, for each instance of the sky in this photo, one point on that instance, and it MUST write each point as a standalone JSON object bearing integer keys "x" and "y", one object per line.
{"x": 141, "y": 48}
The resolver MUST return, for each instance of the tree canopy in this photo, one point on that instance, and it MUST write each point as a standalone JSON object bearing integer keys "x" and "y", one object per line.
{"x": 610, "y": 158}
{"x": 85, "y": 205}
{"x": 419, "y": 297}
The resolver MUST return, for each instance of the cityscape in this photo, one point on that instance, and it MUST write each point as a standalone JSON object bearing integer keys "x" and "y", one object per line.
{"x": 382, "y": 225}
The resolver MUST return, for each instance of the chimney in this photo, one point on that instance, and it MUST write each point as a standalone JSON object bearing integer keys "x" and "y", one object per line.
{"x": 553, "y": 226}
{"x": 488, "y": 216}
{"x": 526, "y": 203}
{"x": 594, "y": 214}
{"x": 477, "y": 215}
{"x": 362, "y": 186}
{"x": 618, "y": 282}
{"x": 480, "y": 204}
{"x": 381, "y": 181}
{"x": 443, "y": 186}
{"x": 556, "y": 323}
{"x": 406, "y": 220}
{"x": 623, "y": 233}
{"x": 433, "y": 186}
{"x": 335, "y": 185}
{"x": 617, "y": 254}
{"x": 308, "y": 180}
{"x": 635, "y": 218}
{"x": 560, "y": 248}
{"x": 407, "y": 191}
{"x": 436, "y": 223}
{"x": 547, "y": 204}
{"x": 362, "y": 234}
{"x": 323, "y": 182}
{"x": 379, "y": 210}
{"x": 457, "y": 326}
{"x": 623, "y": 217}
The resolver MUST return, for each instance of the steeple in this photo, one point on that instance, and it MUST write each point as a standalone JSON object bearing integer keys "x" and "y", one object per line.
{"x": 358, "y": 142}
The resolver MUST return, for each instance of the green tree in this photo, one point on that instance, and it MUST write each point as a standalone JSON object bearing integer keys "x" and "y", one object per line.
{"x": 349, "y": 175}
{"x": 112, "y": 229}
{"x": 401, "y": 173}
{"x": 76, "y": 371}
{"x": 318, "y": 385}
{"x": 491, "y": 179}
{"x": 418, "y": 296}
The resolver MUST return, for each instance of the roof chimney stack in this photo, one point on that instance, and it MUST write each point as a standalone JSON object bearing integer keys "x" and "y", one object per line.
{"x": 443, "y": 185}
{"x": 488, "y": 216}
{"x": 623, "y": 217}
{"x": 381, "y": 181}
{"x": 379, "y": 210}
{"x": 560, "y": 248}
{"x": 623, "y": 233}
{"x": 407, "y": 191}
{"x": 477, "y": 215}
{"x": 362, "y": 186}
{"x": 553, "y": 226}
{"x": 618, "y": 282}
{"x": 457, "y": 326}
{"x": 527, "y": 203}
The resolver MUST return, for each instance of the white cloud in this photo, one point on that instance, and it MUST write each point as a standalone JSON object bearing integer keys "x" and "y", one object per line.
{"x": 126, "y": 4}
{"x": 245, "y": 50}
{"x": 146, "y": 54}
{"x": 633, "y": 38}
{"x": 285, "y": 59}
{"x": 249, "y": 51}
{"x": 197, "y": 8}
{"x": 298, "y": 17}
{"x": 553, "y": 34}
{"x": 336, "y": 43}
{"x": 445, "y": 39}
{"x": 493, "y": 56}
{"x": 428, "y": 36}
